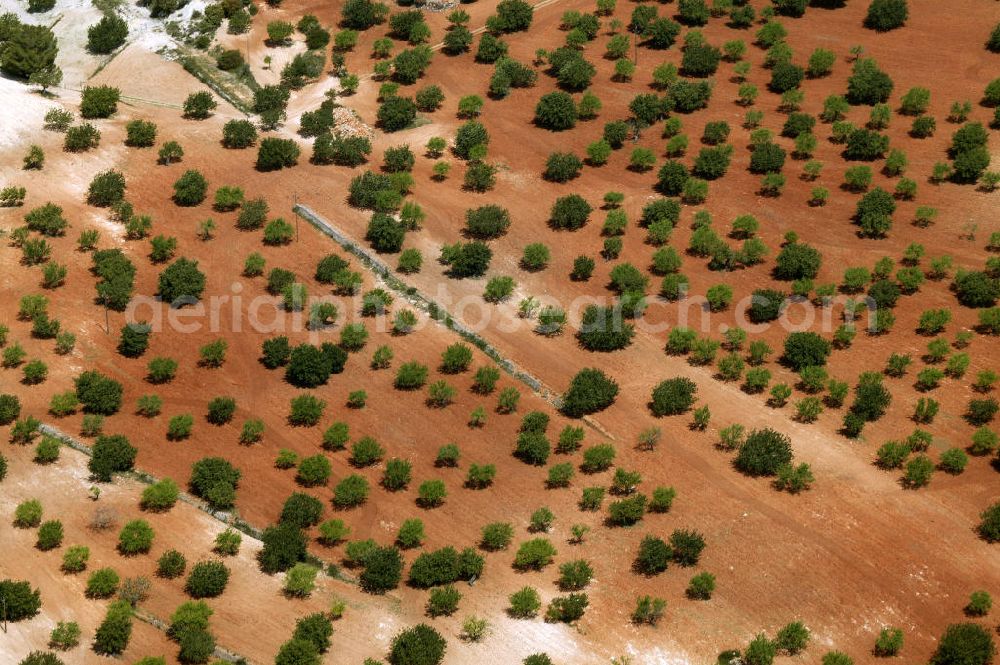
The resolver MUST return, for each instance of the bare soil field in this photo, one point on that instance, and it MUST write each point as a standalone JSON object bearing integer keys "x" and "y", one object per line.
{"x": 855, "y": 553}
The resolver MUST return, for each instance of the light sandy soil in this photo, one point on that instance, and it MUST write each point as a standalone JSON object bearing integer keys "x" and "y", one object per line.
{"x": 63, "y": 490}
{"x": 850, "y": 556}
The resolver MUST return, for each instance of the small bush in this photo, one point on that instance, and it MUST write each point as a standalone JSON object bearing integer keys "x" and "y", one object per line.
{"x": 112, "y": 636}
{"x": 50, "y": 535}
{"x": 524, "y": 603}
{"x": 673, "y": 397}
{"x": 75, "y": 559}
{"x": 136, "y": 537}
{"x": 207, "y": 579}
{"x": 431, "y": 493}
{"x": 65, "y": 636}
{"x": 886, "y": 15}
{"x": 496, "y": 536}
{"x": 534, "y": 554}
{"x": 763, "y": 452}
{"x": 102, "y": 583}
{"x": 351, "y": 491}
{"x": 28, "y": 514}
{"x": 300, "y": 580}
{"x": 171, "y": 564}
{"x": 889, "y": 642}
{"x": 160, "y": 496}
{"x": 420, "y": 645}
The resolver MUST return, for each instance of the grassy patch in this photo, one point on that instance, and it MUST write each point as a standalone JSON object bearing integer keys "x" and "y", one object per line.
{"x": 107, "y": 7}
{"x": 237, "y": 89}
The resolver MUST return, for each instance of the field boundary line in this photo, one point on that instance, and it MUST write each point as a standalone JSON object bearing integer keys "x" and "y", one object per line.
{"x": 436, "y": 312}
{"x": 190, "y": 63}
{"x": 230, "y": 519}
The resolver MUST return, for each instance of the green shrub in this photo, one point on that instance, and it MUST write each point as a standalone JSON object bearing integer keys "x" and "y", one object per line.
{"x": 420, "y": 645}
{"x": 115, "y": 631}
{"x": 366, "y": 451}
{"x": 602, "y": 329}
{"x": 411, "y": 533}
{"x": 215, "y": 480}
{"x": 541, "y": 520}
{"x": 627, "y": 512}
{"x": 199, "y": 105}
{"x": 28, "y": 514}
{"x": 562, "y": 167}
{"x": 106, "y": 189}
{"x": 107, "y": 34}
{"x": 136, "y": 537}
{"x": 532, "y": 448}
{"x": 889, "y": 642}
{"x": 207, "y": 579}
{"x": 190, "y": 189}
{"x": 868, "y": 84}
{"x": 314, "y": 470}
{"x": 568, "y": 608}
{"x": 980, "y": 604}
{"x": 967, "y": 643}
{"x": 653, "y": 557}
{"x": 161, "y": 370}
{"x": 886, "y": 15}
{"x": 524, "y": 603}
{"x": 98, "y": 394}
{"x": 480, "y": 476}
{"x": 431, "y": 493}
{"x": 701, "y": 586}
{"x": 411, "y": 376}
{"x": 160, "y": 496}
{"x": 351, "y": 491}
{"x": 534, "y": 554}
{"x": 99, "y": 101}
{"x": 536, "y": 257}
{"x": 221, "y": 410}
{"x": 75, "y": 559}
{"x": 179, "y": 427}
{"x": 923, "y": 127}
{"x": 275, "y": 154}
{"x": 383, "y": 568}
{"x": 315, "y": 628}
{"x": 171, "y": 564}
{"x": 306, "y": 410}
{"x": 763, "y": 452}
{"x": 10, "y": 408}
{"x": 140, "y": 133}
{"x": 102, "y": 583}
{"x": 792, "y": 638}
{"x": 590, "y": 391}
{"x": 47, "y": 450}
{"x": 65, "y": 636}
{"x": 149, "y": 406}
{"x": 181, "y": 282}
{"x": 227, "y": 543}
{"x": 50, "y": 535}
{"x": 953, "y": 460}
{"x": 300, "y": 580}
{"x": 648, "y": 610}
{"x": 673, "y": 397}
{"x": 806, "y": 349}
{"x": 239, "y": 134}
{"x": 496, "y": 536}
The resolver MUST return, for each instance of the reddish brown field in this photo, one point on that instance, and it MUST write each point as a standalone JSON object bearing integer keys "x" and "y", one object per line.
{"x": 855, "y": 553}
